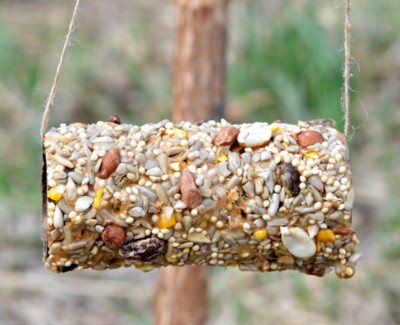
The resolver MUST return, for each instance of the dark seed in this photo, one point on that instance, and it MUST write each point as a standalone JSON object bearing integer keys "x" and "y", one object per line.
{"x": 144, "y": 250}
{"x": 114, "y": 119}
{"x": 207, "y": 120}
{"x": 69, "y": 268}
{"x": 289, "y": 178}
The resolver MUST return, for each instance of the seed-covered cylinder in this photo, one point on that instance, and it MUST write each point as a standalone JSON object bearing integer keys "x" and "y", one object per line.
{"x": 262, "y": 197}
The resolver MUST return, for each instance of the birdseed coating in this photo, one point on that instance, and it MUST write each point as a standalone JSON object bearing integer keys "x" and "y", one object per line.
{"x": 262, "y": 197}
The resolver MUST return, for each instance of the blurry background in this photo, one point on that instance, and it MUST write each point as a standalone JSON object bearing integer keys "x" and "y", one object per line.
{"x": 284, "y": 61}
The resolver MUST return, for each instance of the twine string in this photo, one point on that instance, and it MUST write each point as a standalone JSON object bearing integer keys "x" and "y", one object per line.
{"x": 346, "y": 72}
{"x": 50, "y": 99}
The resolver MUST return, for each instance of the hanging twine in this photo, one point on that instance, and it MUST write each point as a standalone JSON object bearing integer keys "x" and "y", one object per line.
{"x": 50, "y": 100}
{"x": 346, "y": 73}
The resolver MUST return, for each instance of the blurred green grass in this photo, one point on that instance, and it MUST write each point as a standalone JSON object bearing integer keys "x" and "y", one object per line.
{"x": 284, "y": 62}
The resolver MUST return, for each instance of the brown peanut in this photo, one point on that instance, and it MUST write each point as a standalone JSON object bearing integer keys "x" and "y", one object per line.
{"x": 110, "y": 163}
{"x": 190, "y": 193}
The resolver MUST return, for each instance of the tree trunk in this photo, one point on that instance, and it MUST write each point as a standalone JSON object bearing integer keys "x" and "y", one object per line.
{"x": 199, "y": 93}
{"x": 199, "y": 76}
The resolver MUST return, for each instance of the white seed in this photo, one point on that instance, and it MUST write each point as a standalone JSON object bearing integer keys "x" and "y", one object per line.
{"x": 330, "y": 167}
{"x": 266, "y": 217}
{"x": 310, "y": 162}
{"x": 58, "y": 218}
{"x": 81, "y": 161}
{"x": 295, "y": 162}
{"x": 298, "y": 242}
{"x": 83, "y": 203}
{"x": 318, "y": 206}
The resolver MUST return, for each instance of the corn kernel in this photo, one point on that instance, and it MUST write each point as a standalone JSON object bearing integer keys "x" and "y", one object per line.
{"x": 164, "y": 223}
{"x": 221, "y": 158}
{"x": 176, "y": 167}
{"x": 311, "y": 154}
{"x": 260, "y": 234}
{"x": 96, "y": 201}
{"x": 145, "y": 268}
{"x": 55, "y": 194}
{"x": 180, "y": 133}
{"x": 326, "y": 236}
{"x": 186, "y": 250}
{"x": 275, "y": 128}
{"x": 172, "y": 259}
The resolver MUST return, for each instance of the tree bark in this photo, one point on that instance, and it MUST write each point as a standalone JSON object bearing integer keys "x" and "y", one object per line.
{"x": 199, "y": 93}
{"x": 199, "y": 76}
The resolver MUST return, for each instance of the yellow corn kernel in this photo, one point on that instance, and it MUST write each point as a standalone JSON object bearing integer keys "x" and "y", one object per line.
{"x": 176, "y": 166}
{"x": 186, "y": 250}
{"x": 233, "y": 265}
{"x": 191, "y": 254}
{"x": 318, "y": 246}
{"x": 275, "y": 128}
{"x": 311, "y": 154}
{"x": 96, "y": 201}
{"x": 260, "y": 234}
{"x": 326, "y": 236}
{"x": 145, "y": 268}
{"x": 221, "y": 158}
{"x": 164, "y": 223}
{"x": 172, "y": 259}
{"x": 55, "y": 194}
{"x": 180, "y": 133}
